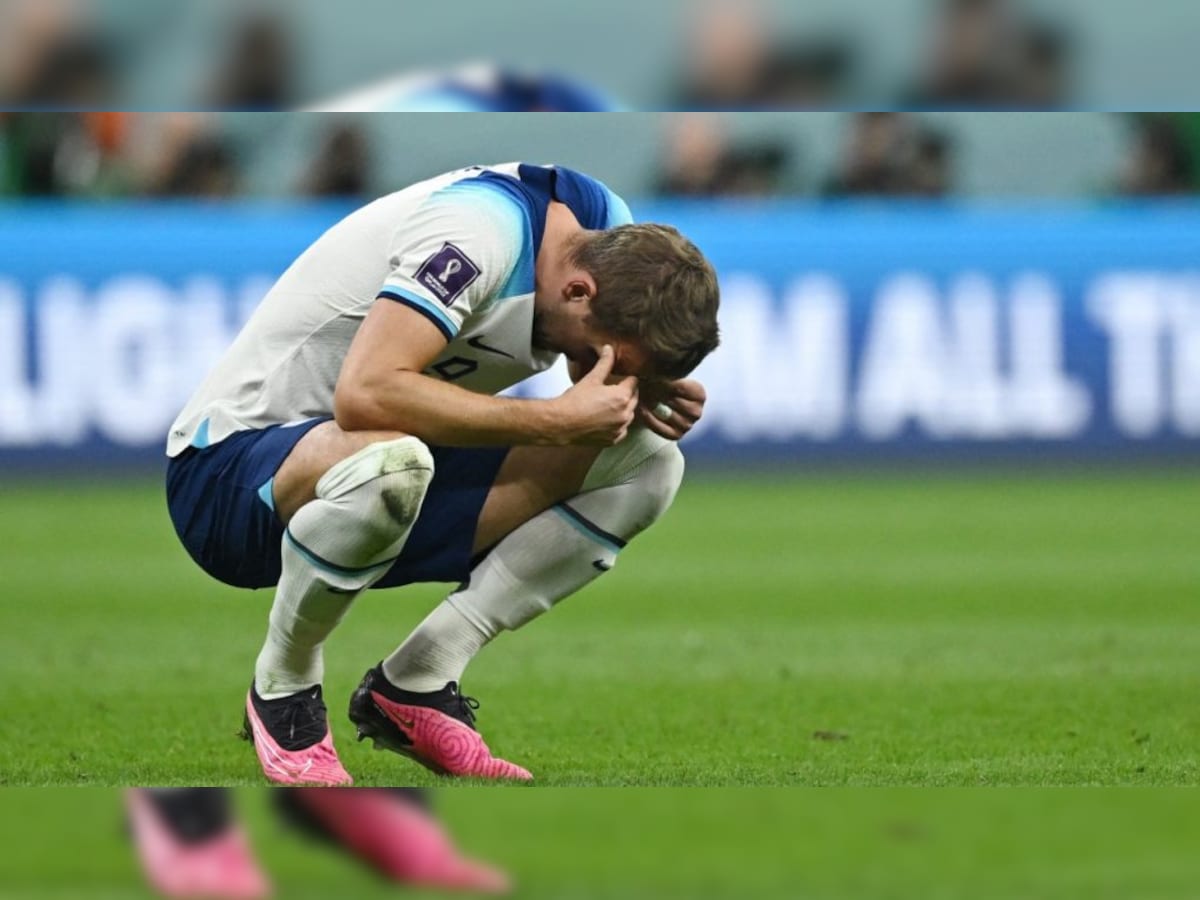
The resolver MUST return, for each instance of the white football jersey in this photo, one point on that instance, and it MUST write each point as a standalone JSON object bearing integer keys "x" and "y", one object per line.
{"x": 459, "y": 249}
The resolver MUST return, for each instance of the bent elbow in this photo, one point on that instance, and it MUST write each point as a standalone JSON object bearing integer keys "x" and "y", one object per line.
{"x": 353, "y": 410}
{"x": 366, "y": 406}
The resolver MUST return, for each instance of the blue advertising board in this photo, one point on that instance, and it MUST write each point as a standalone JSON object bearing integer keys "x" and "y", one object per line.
{"x": 849, "y": 331}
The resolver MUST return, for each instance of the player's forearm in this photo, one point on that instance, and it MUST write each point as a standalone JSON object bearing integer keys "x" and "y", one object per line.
{"x": 444, "y": 414}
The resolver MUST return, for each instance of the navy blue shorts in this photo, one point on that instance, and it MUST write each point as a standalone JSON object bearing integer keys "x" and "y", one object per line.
{"x": 220, "y": 502}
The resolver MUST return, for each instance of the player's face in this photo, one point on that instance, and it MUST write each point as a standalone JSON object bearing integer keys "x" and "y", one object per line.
{"x": 563, "y": 323}
{"x": 568, "y": 329}
{"x": 630, "y": 358}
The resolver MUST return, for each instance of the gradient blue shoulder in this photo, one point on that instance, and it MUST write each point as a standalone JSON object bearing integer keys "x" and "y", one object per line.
{"x": 501, "y": 199}
{"x": 492, "y": 194}
{"x": 594, "y": 204}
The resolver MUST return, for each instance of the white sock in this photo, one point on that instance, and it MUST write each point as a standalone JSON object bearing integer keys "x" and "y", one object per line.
{"x": 437, "y": 651}
{"x": 336, "y": 546}
{"x": 548, "y": 558}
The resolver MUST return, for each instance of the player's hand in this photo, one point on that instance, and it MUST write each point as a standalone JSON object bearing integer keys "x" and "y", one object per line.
{"x": 672, "y": 408}
{"x": 595, "y": 411}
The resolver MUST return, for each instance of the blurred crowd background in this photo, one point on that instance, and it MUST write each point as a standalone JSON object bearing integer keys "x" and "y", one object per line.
{"x": 708, "y": 55}
{"x": 670, "y": 54}
{"x": 921, "y": 155}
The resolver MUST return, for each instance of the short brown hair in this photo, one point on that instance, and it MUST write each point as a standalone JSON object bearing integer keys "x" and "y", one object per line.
{"x": 655, "y": 286}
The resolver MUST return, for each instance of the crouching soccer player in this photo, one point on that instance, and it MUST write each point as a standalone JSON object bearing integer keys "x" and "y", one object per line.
{"x": 350, "y": 438}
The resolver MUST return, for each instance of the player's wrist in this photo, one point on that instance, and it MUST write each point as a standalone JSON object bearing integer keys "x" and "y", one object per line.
{"x": 551, "y": 422}
{"x": 536, "y": 422}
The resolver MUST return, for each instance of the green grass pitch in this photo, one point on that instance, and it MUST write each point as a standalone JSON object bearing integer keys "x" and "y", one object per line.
{"x": 911, "y": 629}
{"x": 671, "y": 844}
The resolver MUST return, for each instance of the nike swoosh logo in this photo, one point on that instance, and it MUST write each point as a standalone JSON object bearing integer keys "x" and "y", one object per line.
{"x": 601, "y": 565}
{"x": 397, "y": 718}
{"x": 478, "y": 344}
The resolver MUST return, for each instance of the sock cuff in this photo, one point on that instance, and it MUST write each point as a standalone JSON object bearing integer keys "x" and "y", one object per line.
{"x": 590, "y": 529}
{"x": 320, "y": 562}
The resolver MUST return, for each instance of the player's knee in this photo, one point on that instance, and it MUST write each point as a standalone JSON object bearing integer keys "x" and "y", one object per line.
{"x": 650, "y": 466}
{"x": 639, "y": 499}
{"x": 658, "y": 480}
{"x": 621, "y": 463}
{"x": 390, "y": 476}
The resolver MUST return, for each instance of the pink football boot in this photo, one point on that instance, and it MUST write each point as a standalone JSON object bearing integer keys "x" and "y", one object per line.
{"x": 435, "y": 729}
{"x": 293, "y": 741}
{"x": 220, "y": 866}
{"x": 390, "y": 832}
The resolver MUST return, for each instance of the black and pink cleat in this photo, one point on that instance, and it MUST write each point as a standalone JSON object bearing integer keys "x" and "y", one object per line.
{"x": 293, "y": 740}
{"x": 393, "y": 834}
{"x": 436, "y": 729}
{"x": 219, "y": 864}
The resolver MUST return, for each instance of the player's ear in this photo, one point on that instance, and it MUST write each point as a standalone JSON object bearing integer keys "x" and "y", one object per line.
{"x": 581, "y": 288}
